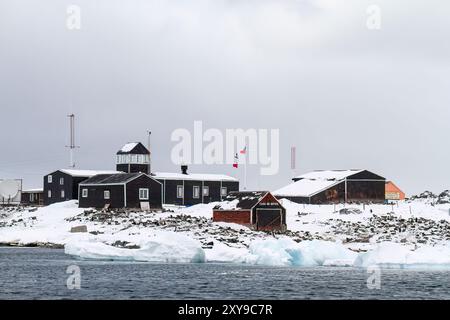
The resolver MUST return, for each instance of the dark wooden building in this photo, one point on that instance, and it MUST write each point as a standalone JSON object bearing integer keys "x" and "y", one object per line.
{"x": 121, "y": 190}
{"x": 258, "y": 210}
{"x": 33, "y": 197}
{"x": 335, "y": 186}
{"x": 62, "y": 185}
{"x": 185, "y": 189}
{"x": 133, "y": 157}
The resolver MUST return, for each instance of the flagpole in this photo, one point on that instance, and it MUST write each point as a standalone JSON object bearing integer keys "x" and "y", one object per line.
{"x": 245, "y": 172}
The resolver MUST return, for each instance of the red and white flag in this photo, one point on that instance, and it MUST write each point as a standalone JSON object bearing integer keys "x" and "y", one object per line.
{"x": 236, "y": 158}
{"x": 244, "y": 151}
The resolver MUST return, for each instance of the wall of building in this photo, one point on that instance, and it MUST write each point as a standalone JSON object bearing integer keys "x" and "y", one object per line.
{"x": 155, "y": 192}
{"x": 335, "y": 194}
{"x": 96, "y": 198}
{"x": 232, "y": 216}
{"x": 170, "y": 191}
{"x": 55, "y": 187}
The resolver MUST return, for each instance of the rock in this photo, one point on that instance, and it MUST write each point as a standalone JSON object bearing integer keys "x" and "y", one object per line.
{"x": 79, "y": 229}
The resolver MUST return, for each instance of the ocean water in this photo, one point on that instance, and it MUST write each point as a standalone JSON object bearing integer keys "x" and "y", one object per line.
{"x": 36, "y": 273}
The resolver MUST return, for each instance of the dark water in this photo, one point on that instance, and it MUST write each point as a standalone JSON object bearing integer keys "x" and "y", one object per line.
{"x": 41, "y": 274}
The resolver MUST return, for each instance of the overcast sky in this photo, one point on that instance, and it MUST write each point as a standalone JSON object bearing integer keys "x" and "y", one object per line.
{"x": 344, "y": 95}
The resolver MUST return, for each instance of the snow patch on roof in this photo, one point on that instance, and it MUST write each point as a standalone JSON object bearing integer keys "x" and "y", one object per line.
{"x": 193, "y": 176}
{"x": 86, "y": 173}
{"x": 31, "y": 190}
{"x": 129, "y": 146}
{"x": 329, "y": 174}
{"x": 305, "y": 188}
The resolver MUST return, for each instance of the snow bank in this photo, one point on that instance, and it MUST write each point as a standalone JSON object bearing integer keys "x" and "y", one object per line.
{"x": 165, "y": 247}
{"x": 394, "y": 255}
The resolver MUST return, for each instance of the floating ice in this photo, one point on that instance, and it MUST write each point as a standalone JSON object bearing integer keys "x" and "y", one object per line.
{"x": 165, "y": 247}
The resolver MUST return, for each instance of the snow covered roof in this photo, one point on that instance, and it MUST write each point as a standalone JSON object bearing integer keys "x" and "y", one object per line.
{"x": 305, "y": 188}
{"x": 193, "y": 176}
{"x": 33, "y": 190}
{"x": 86, "y": 173}
{"x": 311, "y": 183}
{"x": 129, "y": 146}
{"x": 241, "y": 200}
{"x": 328, "y": 174}
{"x": 133, "y": 148}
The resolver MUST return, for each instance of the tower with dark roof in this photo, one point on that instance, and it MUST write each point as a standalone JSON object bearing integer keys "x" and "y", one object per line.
{"x": 133, "y": 157}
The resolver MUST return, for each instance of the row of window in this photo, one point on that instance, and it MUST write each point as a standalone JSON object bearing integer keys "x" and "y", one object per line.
{"x": 196, "y": 191}
{"x": 133, "y": 158}
{"x": 143, "y": 194}
{"x": 63, "y": 194}
{"x": 50, "y": 180}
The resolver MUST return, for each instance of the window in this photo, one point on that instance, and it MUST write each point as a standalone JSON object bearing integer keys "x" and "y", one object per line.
{"x": 196, "y": 192}
{"x": 223, "y": 191}
{"x": 84, "y": 193}
{"x": 50, "y": 179}
{"x": 63, "y": 194}
{"x": 206, "y": 191}
{"x": 119, "y": 159}
{"x": 106, "y": 194}
{"x": 133, "y": 158}
{"x": 49, "y": 193}
{"x": 61, "y": 181}
{"x": 180, "y": 192}
{"x": 31, "y": 197}
{"x": 143, "y": 194}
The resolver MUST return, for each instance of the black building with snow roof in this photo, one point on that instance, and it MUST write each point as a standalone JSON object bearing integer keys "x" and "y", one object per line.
{"x": 62, "y": 185}
{"x": 121, "y": 190}
{"x": 183, "y": 189}
{"x": 335, "y": 186}
{"x": 187, "y": 189}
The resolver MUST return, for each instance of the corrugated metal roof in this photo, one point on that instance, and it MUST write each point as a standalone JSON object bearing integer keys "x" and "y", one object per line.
{"x": 111, "y": 178}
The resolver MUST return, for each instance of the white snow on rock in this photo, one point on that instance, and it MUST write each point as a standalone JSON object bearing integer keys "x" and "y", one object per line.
{"x": 166, "y": 247}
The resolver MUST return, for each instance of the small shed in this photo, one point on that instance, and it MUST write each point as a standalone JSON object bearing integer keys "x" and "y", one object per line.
{"x": 258, "y": 210}
{"x": 33, "y": 197}
{"x": 393, "y": 193}
{"x": 121, "y": 190}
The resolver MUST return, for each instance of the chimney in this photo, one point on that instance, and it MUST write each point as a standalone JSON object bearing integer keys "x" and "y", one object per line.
{"x": 184, "y": 169}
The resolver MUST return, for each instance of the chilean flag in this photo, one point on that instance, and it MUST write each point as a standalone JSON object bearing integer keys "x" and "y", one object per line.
{"x": 236, "y": 158}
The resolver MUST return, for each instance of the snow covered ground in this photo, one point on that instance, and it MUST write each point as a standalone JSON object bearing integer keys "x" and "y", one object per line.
{"x": 415, "y": 233}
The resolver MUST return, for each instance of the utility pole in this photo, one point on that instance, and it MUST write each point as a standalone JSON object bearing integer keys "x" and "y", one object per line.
{"x": 72, "y": 145}
{"x": 150, "y": 153}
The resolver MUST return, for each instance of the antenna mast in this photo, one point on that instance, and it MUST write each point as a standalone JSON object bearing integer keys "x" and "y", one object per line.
{"x": 150, "y": 153}
{"x": 72, "y": 145}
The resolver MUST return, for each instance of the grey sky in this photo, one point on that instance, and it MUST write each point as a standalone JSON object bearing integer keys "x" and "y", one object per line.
{"x": 345, "y": 96}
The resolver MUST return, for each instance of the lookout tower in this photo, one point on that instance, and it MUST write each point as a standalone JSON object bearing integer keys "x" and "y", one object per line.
{"x": 133, "y": 157}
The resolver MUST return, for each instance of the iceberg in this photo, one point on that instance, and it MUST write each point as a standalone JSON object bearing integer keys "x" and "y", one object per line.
{"x": 395, "y": 255}
{"x": 165, "y": 247}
